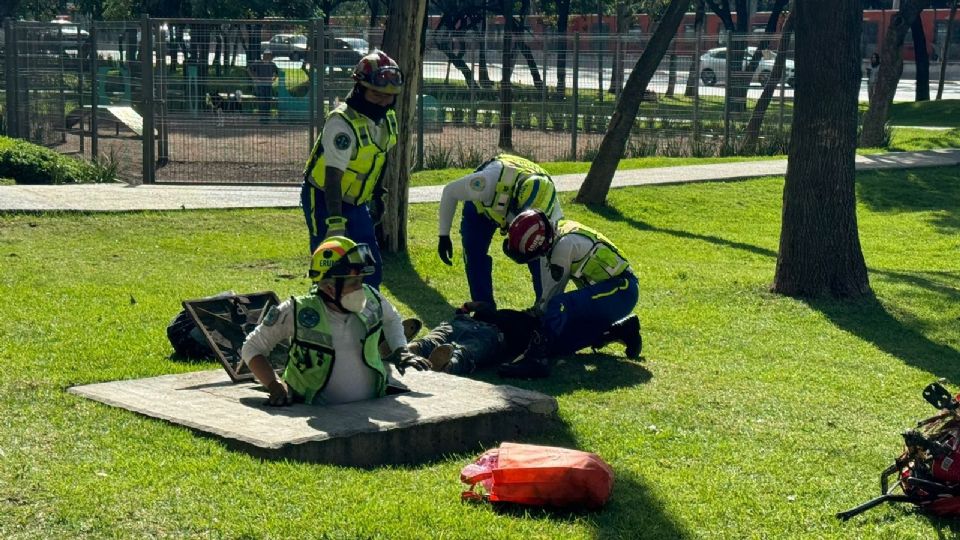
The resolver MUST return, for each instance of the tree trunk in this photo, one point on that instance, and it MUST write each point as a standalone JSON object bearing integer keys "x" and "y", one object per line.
{"x": 505, "y": 141}
{"x": 819, "y": 245}
{"x": 483, "y": 74}
{"x": 752, "y": 133}
{"x": 890, "y": 69}
{"x": 563, "y": 13}
{"x": 402, "y": 41}
{"x": 945, "y": 55}
{"x": 597, "y": 184}
{"x": 527, "y": 54}
{"x": 693, "y": 77}
{"x": 671, "y": 75}
{"x": 922, "y": 60}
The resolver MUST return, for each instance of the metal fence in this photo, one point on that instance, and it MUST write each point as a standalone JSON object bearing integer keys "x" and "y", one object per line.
{"x": 186, "y": 100}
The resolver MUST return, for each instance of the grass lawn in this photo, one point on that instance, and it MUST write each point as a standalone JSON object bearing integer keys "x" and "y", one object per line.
{"x": 945, "y": 113}
{"x": 751, "y": 416}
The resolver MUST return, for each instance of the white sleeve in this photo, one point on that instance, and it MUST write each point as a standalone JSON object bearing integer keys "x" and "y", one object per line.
{"x": 561, "y": 258}
{"x": 274, "y": 329}
{"x": 392, "y": 325}
{"x": 338, "y": 142}
{"x": 461, "y": 189}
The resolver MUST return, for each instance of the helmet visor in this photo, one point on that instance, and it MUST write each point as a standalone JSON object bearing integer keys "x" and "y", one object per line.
{"x": 387, "y": 76}
{"x": 357, "y": 261}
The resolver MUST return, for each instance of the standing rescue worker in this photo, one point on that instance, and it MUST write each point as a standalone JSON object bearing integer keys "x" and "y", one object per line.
{"x": 342, "y": 175}
{"x": 493, "y": 195}
{"x": 334, "y": 356}
{"x": 597, "y": 313}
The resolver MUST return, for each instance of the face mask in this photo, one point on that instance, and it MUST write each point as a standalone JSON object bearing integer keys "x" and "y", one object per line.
{"x": 354, "y": 301}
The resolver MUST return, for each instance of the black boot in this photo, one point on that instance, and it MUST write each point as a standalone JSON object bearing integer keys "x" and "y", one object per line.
{"x": 532, "y": 364}
{"x": 626, "y": 331}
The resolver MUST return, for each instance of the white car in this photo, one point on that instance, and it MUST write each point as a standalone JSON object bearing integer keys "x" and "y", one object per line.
{"x": 713, "y": 66}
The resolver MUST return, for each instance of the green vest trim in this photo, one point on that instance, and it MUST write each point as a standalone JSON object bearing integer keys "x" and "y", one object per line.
{"x": 365, "y": 164}
{"x": 604, "y": 260}
{"x": 312, "y": 355}
{"x": 515, "y": 170}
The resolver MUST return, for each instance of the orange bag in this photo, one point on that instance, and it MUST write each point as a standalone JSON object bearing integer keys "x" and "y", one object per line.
{"x": 539, "y": 476}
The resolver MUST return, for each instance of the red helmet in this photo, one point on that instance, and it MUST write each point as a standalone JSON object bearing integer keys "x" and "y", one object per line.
{"x": 529, "y": 236}
{"x": 379, "y": 72}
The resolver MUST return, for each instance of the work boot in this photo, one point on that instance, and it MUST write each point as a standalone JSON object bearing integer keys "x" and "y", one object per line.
{"x": 410, "y": 329}
{"x": 627, "y": 332}
{"x": 440, "y": 357}
{"x": 532, "y": 364}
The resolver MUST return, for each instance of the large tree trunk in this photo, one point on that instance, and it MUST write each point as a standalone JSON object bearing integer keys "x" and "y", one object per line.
{"x": 891, "y": 67}
{"x": 945, "y": 55}
{"x": 922, "y": 60}
{"x": 752, "y": 133}
{"x": 402, "y": 41}
{"x": 819, "y": 245}
{"x": 597, "y": 184}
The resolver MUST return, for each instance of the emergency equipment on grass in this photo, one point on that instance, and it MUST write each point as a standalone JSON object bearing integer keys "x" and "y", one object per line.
{"x": 927, "y": 473}
{"x": 539, "y": 476}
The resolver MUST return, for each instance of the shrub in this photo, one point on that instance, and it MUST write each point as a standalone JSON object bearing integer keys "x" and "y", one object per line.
{"x": 27, "y": 163}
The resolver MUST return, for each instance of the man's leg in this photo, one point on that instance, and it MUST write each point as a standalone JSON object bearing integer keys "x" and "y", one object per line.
{"x": 314, "y": 206}
{"x": 476, "y": 233}
{"x": 577, "y": 319}
{"x": 439, "y": 335}
{"x": 360, "y": 228}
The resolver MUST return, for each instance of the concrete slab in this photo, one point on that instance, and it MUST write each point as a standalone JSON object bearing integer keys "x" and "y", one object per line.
{"x": 440, "y": 414}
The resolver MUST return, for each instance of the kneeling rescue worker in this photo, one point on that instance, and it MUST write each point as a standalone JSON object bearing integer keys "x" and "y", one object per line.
{"x": 334, "y": 356}
{"x": 597, "y": 313}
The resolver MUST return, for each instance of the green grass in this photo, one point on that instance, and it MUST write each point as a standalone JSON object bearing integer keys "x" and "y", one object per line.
{"x": 752, "y": 415}
{"x": 943, "y": 113}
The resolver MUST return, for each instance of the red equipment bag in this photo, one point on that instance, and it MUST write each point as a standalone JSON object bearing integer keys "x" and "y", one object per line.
{"x": 539, "y": 476}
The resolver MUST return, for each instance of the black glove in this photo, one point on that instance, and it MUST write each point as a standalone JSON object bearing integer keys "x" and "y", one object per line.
{"x": 404, "y": 359}
{"x": 445, "y": 249}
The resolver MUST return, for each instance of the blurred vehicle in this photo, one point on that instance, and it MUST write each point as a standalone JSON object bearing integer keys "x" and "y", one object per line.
{"x": 293, "y": 46}
{"x": 345, "y": 53}
{"x": 62, "y": 37}
{"x": 713, "y": 66}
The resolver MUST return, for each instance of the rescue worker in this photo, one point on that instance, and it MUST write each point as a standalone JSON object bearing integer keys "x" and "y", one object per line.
{"x": 597, "y": 313}
{"x": 493, "y": 195}
{"x": 334, "y": 357}
{"x": 342, "y": 175}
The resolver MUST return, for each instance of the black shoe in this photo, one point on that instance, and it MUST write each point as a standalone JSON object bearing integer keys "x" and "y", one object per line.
{"x": 626, "y": 331}
{"x": 525, "y": 367}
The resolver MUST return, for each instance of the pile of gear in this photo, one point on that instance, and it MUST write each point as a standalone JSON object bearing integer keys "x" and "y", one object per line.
{"x": 927, "y": 473}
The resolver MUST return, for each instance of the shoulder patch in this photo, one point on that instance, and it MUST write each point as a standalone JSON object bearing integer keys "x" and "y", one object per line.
{"x": 477, "y": 183}
{"x": 308, "y": 317}
{"x": 341, "y": 141}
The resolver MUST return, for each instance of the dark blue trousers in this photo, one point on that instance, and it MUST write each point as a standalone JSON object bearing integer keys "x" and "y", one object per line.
{"x": 576, "y": 319}
{"x": 476, "y": 235}
{"x": 360, "y": 227}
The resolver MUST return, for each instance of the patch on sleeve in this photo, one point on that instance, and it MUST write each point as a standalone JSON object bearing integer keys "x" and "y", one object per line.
{"x": 341, "y": 141}
{"x": 273, "y": 314}
{"x": 478, "y": 182}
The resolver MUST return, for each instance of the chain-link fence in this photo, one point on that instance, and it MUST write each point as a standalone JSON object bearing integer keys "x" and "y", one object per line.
{"x": 186, "y": 100}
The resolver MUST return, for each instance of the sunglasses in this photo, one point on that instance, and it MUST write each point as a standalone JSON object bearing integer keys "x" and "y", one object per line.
{"x": 387, "y": 76}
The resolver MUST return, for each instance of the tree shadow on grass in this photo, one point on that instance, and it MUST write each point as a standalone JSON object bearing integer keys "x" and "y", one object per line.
{"x": 598, "y": 372}
{"x": 869, "y": 320}
{"x": 409, "y": 287}
{"x": 866, "y": 318}
{"x": 934, "y": 190}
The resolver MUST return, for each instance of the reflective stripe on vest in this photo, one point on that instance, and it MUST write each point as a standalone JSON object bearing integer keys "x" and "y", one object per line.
{"x": 367, "y": 159}
{"x": 602, "y": 262}
{"x": 312, "y": 355}
{"x": 515, "y": 170}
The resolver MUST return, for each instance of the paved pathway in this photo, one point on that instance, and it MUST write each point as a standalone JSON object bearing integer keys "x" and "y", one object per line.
{"x": 121, "y": 197}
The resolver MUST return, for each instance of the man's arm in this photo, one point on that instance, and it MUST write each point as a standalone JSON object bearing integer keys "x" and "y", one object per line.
{"x": 276, "y": 326}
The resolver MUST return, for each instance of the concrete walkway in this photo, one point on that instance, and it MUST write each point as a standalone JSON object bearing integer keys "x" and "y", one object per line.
{"x": 121, "y": 197}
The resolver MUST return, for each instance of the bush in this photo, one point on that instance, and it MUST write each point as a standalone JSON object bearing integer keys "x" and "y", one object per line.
{"x": 27, "y": 163}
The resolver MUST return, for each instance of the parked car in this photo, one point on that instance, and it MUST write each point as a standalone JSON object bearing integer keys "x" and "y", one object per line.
{"x": 344, "y": 53}
{"x": 293, "y": 46}
{"x": 713, "y": 66}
